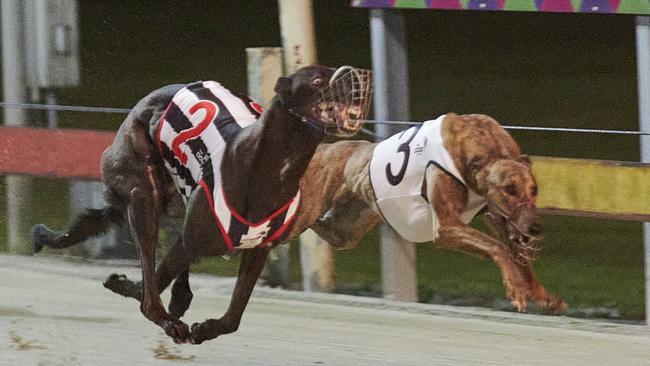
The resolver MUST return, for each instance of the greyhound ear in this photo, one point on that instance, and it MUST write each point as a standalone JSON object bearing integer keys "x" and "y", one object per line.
{"x": 479, "y": 172}
{"x": 283, "y": 86}
{"x": 524, "y": 159}
{"x": 475, "y": 164}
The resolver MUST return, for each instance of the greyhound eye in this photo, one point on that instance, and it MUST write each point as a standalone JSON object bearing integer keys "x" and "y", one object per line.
{"x": 318, "y": 82}
{"x": 533, "y": 191}
{"x": 511, "y": 189}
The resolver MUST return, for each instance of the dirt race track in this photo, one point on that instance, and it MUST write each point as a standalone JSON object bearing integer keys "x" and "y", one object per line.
{"x": 55, "y": 312}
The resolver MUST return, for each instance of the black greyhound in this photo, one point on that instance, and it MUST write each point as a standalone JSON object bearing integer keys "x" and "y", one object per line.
{"x": 250, "y": 181}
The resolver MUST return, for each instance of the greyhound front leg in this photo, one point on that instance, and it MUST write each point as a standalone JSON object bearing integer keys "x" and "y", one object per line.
{"x": 471, "y": 241}
{"x": 143, "y": 219}
{"x": 538, "y": 293}
{"x": 555, "y": 305}
{"x": 250, "y": 268}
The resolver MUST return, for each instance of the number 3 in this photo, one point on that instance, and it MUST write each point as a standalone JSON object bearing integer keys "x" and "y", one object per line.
{"x": 406, "y": 149}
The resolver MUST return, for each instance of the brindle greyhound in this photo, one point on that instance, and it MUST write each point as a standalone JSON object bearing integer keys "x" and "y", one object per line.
{"x": 341, "y": 207}
{"x": 261, "y": 165}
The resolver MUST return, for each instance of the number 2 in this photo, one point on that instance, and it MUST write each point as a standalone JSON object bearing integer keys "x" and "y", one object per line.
{"x": 211, "y": 110}
{"x": 406, "y": 150}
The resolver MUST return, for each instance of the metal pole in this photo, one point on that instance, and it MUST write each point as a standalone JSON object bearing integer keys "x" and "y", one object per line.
{"x": 264, "y": 69}
{"x": 298, "y": 42}
{"x": 391, "y": 102}
{"x": 15, "y": 90}
{"x": 643, "y": 77}
{"x": 298, "y": 39}
{"x": 52, "y": 114}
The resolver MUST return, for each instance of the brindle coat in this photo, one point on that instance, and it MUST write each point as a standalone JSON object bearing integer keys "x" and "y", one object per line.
{"x": 340, "y": 206}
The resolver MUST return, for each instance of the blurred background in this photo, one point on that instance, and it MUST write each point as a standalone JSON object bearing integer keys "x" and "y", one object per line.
{"x": 534, "y": 69}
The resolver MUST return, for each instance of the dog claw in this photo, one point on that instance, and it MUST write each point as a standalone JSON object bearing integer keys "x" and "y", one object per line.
{"x": 519, "y": 305}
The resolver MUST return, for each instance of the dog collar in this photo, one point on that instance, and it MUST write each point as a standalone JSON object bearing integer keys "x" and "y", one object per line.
{"x": 315, "y": 128}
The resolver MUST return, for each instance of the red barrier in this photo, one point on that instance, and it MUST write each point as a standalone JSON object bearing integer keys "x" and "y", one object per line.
{"x": 52, "y": 153}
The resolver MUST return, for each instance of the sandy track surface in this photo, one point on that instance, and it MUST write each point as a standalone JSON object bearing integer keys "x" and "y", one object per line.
{"x": 55, "y": 312}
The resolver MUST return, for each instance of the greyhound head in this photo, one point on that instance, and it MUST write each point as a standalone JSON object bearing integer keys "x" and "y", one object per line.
{"x": 511, "y": 194}
{"x": 332, "y": 101}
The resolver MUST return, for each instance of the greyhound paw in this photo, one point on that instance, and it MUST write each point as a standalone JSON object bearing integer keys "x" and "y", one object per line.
{"x": 121, "y": 285}
{"x": 199, "y": 332}
{"x": 41, "y": 235}
{"x": 177, "y": 330}
{"x": 517, "y": 297}
{"x": 519, "y": 305}
{"x": 554, "y": 305}
{"x": 211, "y": 328}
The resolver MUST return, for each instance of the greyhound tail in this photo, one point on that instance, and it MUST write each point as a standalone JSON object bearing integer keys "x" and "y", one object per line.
{"x": 91, "y": 222}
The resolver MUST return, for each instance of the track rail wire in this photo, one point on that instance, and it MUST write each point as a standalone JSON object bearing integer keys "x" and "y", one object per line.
{"x": 73, "y": 108}
{"x": 66, "y": 108}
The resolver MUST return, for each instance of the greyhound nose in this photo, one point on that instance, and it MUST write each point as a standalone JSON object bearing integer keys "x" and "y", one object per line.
{"x": 535, "y": 229}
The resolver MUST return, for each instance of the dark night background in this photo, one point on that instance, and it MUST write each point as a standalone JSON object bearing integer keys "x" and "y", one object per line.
{"x": 568, "y": 70}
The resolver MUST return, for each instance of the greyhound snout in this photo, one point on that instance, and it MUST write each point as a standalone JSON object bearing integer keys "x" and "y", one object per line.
{"x": 535, "y": 229}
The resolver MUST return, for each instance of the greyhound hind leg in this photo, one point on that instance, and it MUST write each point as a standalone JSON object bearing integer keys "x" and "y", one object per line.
{"x": 91, "y": 222}
{"x": 344, "y": 225}
{"x": 174, "y": 264}
{"x": 143, "y": 219}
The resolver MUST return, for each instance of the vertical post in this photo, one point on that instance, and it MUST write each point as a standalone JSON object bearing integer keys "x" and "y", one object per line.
{"x": 52, "y": 115}
{"x": 391, "y": 102}
{"x": 643, "y": 77}
{"x": 298, "y": 41}
{"x": 15, "y": 91}
{"x": 264, "y": 69}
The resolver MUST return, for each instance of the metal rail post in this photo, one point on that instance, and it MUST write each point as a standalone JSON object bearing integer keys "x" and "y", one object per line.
{"x": 14, "y": 83}
{"x": 390, "y": 66}
{"x": 643, "y": 77}
{"x": 298, "y": 41}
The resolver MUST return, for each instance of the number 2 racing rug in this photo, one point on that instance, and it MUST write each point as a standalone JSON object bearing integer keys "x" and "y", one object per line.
{"x": 202, "y": 118}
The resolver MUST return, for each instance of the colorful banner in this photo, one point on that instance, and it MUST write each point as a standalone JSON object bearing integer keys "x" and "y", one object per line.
{"x": 640, "y": 7}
